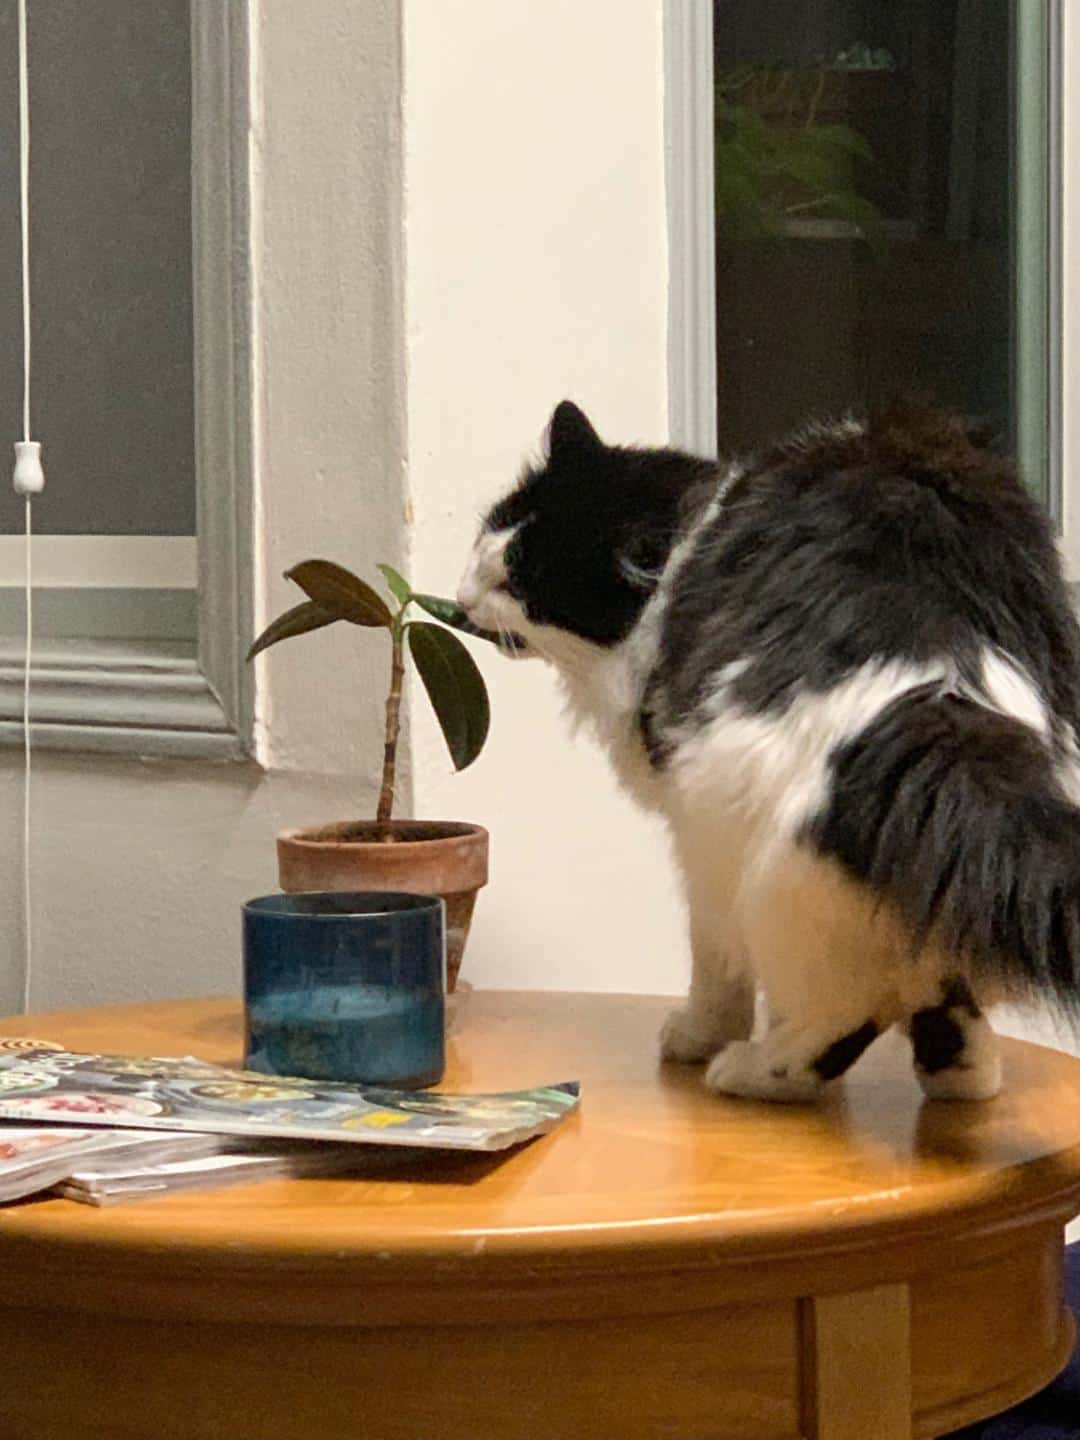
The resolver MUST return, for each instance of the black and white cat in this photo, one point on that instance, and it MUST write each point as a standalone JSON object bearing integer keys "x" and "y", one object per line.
{"x": 847, "y": 673}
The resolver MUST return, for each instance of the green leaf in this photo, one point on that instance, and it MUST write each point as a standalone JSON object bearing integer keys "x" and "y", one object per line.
{"x": 455, "y": 688}
{"x": 338, "y": 590}
{"x": 451, "y": 613}
{"x": 399, "y": 587}
{"x": 297, "y": 621}
{"x": 448, "y": 611}
{"x": 843, "y": 137}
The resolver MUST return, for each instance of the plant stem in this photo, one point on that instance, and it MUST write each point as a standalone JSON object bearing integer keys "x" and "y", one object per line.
{"x": 393, "y": 720}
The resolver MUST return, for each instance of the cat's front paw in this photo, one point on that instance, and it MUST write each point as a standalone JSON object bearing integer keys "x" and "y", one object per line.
{"x": 745, "y": 1068}
{"x": 687, "y": 1037}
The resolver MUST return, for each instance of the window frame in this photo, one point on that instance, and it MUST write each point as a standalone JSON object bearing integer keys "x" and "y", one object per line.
{"x": 156, "y": 698}
{"x": 691, "y": 214}
{"x": 1068, "y": 101}
{"x": 689, "y": 120}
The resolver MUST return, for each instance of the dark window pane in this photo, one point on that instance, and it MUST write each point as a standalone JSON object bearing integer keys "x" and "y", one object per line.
{"x": 870, "y": 160}
{"x": 112, "y": 277}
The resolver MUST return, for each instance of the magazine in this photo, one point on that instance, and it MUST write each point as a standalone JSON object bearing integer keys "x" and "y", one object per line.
{"x": 36, "y": 1157}
{"x": 50, "y": 1086}
{"x": 101, "y": 1167}
{"x": 108, "y": 1178}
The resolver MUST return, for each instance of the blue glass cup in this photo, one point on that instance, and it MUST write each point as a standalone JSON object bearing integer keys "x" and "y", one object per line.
{"x": 341, "y": 986}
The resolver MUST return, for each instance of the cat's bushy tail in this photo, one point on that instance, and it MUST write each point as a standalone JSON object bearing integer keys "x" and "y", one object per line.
{"x": 955, "y": 813}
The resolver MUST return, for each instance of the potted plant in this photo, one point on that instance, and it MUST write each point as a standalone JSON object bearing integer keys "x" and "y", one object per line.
{"x": 446, "y": 858}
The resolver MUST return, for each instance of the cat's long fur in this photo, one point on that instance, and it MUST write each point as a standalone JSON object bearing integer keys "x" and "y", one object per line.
{"x": 847, "y": 673}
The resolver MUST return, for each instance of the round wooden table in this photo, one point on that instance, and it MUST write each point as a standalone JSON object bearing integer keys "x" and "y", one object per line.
{"x": 665, "y": 1264}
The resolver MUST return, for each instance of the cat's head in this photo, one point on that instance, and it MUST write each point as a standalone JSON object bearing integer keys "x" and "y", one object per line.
{"x": 577, "y": 547}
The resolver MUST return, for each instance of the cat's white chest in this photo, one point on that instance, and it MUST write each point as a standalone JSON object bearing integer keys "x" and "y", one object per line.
{"x": 604, "y": 700}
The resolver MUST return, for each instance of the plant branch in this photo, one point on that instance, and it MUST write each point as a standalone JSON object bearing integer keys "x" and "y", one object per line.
{"x": 393, "y": 721}
{"x": 815, "y": 99}
{"x": 814, "y": 204}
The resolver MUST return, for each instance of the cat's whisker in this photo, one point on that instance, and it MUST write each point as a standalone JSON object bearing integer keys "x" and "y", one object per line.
{"x": 509, "y": 643}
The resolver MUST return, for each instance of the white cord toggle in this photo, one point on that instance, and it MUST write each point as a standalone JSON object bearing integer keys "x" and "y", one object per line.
{"x": 29, "y": 477}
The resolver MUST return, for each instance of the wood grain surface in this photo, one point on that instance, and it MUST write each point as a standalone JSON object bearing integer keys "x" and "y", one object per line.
{"x": 666, "y": 1263}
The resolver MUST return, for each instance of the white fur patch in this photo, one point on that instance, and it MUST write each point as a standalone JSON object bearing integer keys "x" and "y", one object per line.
{"x": 485, "y": 568}
{"x": 745, "y": 1068}
{"x": 1006, "y": 688}
{"x": 774, "y": 768}
{"x": 697, "y": 1030}
{"x": 777, "y": 765}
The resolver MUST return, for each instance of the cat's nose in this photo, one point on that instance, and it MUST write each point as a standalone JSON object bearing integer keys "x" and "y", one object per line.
{"x": 469, "y": 592}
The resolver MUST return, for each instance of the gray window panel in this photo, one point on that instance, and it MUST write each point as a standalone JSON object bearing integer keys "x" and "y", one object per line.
{"x": 73, "y": 613}
{"x": 112, "y": 265}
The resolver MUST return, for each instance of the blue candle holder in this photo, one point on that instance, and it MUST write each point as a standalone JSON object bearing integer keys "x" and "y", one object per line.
{"x": 341, "y": 986}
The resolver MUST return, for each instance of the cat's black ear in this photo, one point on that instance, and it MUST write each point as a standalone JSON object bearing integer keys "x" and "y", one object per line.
{"x": 570, "y": 432}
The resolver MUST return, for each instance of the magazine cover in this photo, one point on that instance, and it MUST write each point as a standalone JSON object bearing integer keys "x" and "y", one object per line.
{"x": 51, "y": 1086}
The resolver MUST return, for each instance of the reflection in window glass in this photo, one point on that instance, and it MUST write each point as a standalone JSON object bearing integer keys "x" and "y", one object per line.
{"x": 883, "y": 205}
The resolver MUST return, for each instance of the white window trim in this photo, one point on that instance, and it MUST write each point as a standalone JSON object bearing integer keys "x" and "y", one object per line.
{"x": 156, "y": 698}
{"x": 1070, "y": 291}
{"x": 688, "y": 105}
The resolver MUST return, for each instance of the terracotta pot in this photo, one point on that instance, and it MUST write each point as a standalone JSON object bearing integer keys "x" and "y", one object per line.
{"x": 423, "y": 857}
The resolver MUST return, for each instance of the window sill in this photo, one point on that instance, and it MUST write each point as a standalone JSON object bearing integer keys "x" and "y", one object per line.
{"x": 117, "y": 697}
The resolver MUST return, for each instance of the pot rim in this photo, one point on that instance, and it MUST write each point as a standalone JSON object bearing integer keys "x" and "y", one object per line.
{"x": 320, "y": 837}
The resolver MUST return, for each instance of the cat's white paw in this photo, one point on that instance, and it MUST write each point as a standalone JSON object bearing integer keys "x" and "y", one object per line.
{"x": 694, "y": 1032}
{"x": 959, "y": 1084}
{"x": 976, "y": 1075}
{"x": 744, "y": 1068}
{"x": 978, "y": 1081}
{"x": 687, "y": 1036}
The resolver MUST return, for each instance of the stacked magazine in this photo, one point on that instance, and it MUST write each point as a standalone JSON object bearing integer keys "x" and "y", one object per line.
{"x": 102, "y": 1128}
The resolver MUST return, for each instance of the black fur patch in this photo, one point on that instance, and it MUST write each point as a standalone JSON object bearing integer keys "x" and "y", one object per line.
{"x": 843, "y": 1053}
{"x": 938, "y": 1039}
{"x": 937, "y": 1033}
{"x": 954, "y": 813}
{"x": 903, "y": 540}
{"x": 656, "y": 747}
{"x": 956, "y": 995}
{"x": 594, "y": 528}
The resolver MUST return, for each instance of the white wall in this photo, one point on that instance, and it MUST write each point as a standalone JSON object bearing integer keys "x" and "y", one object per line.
{"x": 537, "y": 268}
{"x": 329, "y": 360}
